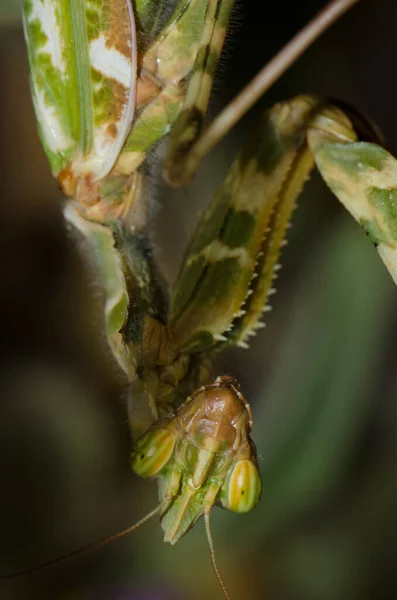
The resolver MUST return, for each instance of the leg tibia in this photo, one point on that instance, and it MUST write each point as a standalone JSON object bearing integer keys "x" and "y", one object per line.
{"x": 161, "y": 87}
{"x": 189, "y": 123}
{"x": 229, "y": 266}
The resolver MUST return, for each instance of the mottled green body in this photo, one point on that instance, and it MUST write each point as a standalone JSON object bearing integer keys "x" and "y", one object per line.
{"x": 108, "y": 84}
{"x": 72, "y": 97}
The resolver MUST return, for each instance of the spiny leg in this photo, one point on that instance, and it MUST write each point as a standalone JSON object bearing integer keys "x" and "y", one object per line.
{"x": 229, "y": 266}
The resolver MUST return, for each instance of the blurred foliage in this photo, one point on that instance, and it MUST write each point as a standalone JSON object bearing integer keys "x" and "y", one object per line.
{"x": 10, "y": 11}
{"x": 321, "y": 377}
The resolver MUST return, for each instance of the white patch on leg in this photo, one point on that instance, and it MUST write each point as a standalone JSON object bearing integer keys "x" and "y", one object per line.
{"x": 44, "y": 12}
{"x": 110, "y": 62}
{"x": 53, "y": 131}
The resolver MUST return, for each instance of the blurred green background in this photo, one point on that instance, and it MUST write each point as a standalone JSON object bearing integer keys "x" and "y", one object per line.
{"x": 321, "y": 378}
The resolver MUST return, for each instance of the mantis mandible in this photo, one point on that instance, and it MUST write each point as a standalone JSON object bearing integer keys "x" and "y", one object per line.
{"x": 109, "y": 81}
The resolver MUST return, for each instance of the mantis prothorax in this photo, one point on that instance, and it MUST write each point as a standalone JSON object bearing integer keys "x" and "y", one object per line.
{"x": 106, "y": 92}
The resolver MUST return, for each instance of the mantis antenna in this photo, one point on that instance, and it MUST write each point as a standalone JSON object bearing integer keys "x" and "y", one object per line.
{"x": 93, "y": 546}
{"x": 212, "y": 554}
{"x": 120, "y": 534}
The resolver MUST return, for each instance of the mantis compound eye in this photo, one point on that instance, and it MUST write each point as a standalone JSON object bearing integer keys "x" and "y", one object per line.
{"x": 152, "y": 451}
{"x": 242, "y": 489}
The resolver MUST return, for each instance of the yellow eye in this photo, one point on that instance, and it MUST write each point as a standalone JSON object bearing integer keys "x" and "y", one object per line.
{"x": 152, "y": 451}
{"x": 242, "y": 488}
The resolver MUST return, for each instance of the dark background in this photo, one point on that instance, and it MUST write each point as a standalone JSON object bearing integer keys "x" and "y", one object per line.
{"x": 321, "y": 378}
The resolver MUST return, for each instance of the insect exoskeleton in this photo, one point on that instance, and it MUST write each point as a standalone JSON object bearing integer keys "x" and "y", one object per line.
{"x": 203, "y": 455}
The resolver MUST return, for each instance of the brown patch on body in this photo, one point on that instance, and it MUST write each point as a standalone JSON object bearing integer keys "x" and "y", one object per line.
{"x": 120, "y": 98}
{"x": 82, "y": 188}
{"x": 87, "y": 191}
{"x": 67, "y": 182}
{"x": 119, "y": 33}
{"x": 146, "y": 90}
{"x": 111, "y": 131}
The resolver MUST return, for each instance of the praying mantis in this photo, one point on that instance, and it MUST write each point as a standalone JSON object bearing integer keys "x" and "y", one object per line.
{"x": 97, "y": 129}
